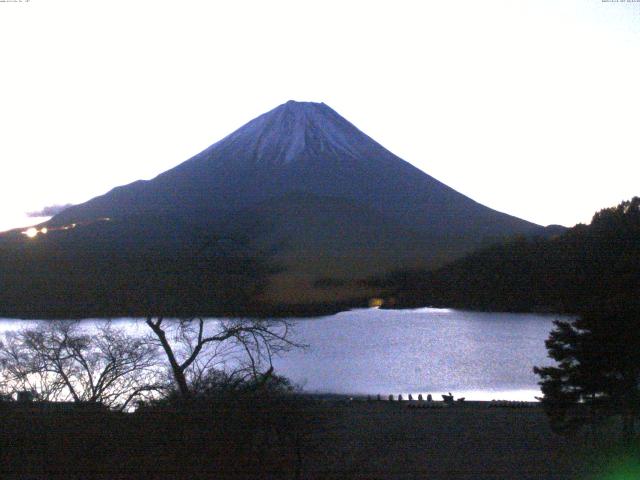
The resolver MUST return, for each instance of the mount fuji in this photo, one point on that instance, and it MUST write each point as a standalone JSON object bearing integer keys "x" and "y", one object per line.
{"x": 331, "y": 205}
{"x": 304, "y": 148}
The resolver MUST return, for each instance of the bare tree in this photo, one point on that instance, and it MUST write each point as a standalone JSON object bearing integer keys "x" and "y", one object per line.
{"x": 63, "y": 361}
{"x": 242, "y": 348}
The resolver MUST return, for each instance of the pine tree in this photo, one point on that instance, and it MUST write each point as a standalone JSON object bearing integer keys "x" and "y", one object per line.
{"x": 598, "y": 368}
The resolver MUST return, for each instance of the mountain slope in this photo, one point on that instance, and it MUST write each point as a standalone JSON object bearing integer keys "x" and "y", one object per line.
{"x": 320, "y": 204}
{"x": 301, "y": 147}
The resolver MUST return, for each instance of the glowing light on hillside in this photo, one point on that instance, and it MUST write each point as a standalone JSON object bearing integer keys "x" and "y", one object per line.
{"x": 375, "y": 302}
{"x": 31, "y": 232}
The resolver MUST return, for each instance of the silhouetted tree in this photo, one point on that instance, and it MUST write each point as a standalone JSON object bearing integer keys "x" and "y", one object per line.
{"x": 598, "y": 369}
{"x": 194, "y": 348}
{"x": 64, "y": 361}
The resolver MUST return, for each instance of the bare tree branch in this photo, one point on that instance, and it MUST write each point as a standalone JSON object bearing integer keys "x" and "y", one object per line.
{"x": 60, "y": 361}
{"x": 248, "y": 344}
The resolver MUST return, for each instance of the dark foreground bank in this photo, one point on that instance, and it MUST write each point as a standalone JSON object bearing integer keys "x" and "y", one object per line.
{"x": 297, "y": 437}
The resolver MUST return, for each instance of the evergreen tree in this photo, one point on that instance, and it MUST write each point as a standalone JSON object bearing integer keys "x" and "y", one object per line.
{"x": 598, "y": 368}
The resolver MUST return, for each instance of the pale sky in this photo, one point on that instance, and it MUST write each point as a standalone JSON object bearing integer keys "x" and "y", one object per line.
{"x": 530, "y": 107}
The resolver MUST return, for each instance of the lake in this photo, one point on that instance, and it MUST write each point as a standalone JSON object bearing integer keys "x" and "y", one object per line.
{"x": 480, "y": 356}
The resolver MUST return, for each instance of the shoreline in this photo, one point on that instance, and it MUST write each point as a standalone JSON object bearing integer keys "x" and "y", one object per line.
{"x": 358, "y": 398}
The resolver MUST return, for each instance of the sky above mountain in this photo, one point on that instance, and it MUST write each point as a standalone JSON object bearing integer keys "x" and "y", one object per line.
{"x": 527, "y": 107}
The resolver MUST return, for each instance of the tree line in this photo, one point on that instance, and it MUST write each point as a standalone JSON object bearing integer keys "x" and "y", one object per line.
{"x": 174, "y": 358}
{"x": 586, "y": 265}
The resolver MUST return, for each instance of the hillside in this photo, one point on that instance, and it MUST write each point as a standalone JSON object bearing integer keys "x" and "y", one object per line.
{"x": 316, "y": 202}
{"x": 595, "y": 264}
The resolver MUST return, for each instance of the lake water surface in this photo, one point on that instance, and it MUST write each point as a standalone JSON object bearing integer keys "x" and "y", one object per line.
{"x": 480, "y": 356}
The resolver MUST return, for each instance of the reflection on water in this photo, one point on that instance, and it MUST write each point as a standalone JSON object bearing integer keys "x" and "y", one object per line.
{"x": 480, "y": 356}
